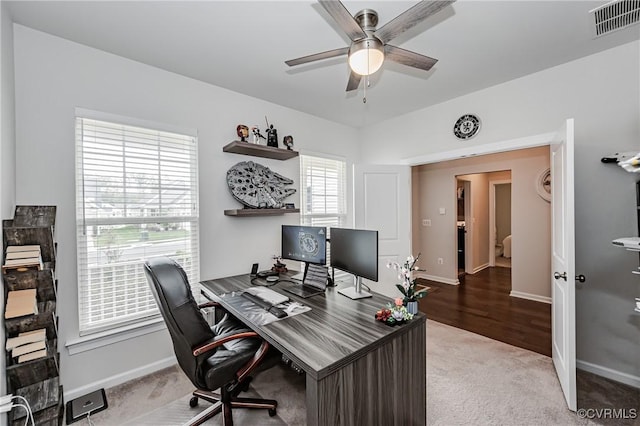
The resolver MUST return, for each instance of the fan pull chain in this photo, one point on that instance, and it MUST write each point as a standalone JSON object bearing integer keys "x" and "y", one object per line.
{"x": 366, "y": 78}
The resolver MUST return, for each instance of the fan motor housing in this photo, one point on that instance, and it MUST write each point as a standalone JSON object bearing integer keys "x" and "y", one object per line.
{"x": 367, "y": 19}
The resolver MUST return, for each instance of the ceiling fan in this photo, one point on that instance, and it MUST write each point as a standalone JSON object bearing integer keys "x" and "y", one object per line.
{"x": 369, "y": 48}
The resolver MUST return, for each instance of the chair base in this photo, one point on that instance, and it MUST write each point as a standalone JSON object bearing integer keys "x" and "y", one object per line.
{"x": 234, "y": 402}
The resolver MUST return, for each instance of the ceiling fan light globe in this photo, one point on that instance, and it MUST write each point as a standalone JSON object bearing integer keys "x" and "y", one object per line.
{"x": 366, "y": 56}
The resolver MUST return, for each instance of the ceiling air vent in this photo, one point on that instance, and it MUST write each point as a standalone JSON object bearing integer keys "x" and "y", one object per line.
{"x": 614, "y": 16}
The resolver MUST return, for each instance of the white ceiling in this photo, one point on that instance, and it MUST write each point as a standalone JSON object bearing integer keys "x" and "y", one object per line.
{"x": 242, "y": 46}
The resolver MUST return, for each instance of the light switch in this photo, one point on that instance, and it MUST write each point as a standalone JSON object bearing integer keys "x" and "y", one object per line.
{"x": 443, "y": 210}
{"x": 426, "y": 222}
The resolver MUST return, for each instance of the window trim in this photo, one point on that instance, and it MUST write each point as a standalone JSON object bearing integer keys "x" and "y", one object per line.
{"x": 111, "y": 333}
{"x": 343, "y": 216}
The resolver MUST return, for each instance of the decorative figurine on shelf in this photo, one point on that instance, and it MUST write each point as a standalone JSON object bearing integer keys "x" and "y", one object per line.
{"x": 243, "y": 132}
{"x": 288, "y": 142}
{"x": 255, "y": 130}
{"x": 278, "y": 266}
{"x": 272, "y": 134}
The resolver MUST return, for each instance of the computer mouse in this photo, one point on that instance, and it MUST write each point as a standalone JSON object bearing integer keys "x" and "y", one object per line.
{"x": 272, "y": 279}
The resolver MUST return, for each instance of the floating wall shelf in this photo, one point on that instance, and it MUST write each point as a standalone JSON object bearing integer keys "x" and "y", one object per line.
{"x": 246, "y": 148}
{"x": 259, "y": 212}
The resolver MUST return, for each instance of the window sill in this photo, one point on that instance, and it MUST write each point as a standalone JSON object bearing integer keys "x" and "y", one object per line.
{"x": 105, "y": 338}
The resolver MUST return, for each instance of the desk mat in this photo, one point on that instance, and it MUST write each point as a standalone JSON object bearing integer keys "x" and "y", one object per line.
{"x": 258, "y": 315}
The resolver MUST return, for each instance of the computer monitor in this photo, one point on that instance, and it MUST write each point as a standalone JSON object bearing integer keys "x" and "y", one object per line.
{"x": 306, "y": 244}
{"x": 355, "y": 251}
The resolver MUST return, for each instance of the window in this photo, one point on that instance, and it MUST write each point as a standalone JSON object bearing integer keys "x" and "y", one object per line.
{"x": 323, "y": 192}
{"x": 136, "y": 198}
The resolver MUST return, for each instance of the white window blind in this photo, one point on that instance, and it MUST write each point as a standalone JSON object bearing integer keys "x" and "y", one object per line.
{"x": 136, "y": 198}
{"x": 323, "y": 193}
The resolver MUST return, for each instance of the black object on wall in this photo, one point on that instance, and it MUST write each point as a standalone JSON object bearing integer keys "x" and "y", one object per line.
{"x": 638, "y": 204}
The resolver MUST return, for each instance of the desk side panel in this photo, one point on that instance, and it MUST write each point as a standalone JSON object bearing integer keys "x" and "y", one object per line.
{"x": 385, "y": 387}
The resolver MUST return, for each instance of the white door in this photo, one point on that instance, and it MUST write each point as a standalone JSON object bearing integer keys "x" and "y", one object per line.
{"x": 563, "y": 314}
{"x": 382, "y": 203}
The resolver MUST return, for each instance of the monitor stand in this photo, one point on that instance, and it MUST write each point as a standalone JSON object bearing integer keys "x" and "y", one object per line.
{"x": 356, "y": 291}
{"x": 300, "y": 275}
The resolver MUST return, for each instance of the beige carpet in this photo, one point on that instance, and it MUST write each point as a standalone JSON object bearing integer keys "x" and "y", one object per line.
{"x": 471, "y": 380}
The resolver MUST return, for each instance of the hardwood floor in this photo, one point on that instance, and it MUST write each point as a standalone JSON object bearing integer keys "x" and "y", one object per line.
{"x": 481, "y": 304}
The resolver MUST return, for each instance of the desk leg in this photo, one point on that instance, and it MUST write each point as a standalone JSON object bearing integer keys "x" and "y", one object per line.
{"x": 387, "y": 386}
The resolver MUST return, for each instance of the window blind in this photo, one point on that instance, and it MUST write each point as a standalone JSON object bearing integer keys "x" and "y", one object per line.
{"x": 136, "y": 198}
{"x": 323, "y": 193}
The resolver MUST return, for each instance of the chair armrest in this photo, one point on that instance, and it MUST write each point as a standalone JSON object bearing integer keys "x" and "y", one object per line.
{"x": 209, "y": 304}
{"x": 216, "y": 343}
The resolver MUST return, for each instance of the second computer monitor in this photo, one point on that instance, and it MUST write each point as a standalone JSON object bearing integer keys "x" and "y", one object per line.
{"x": 355, "y": 251}
{"x": 305, "y": 243}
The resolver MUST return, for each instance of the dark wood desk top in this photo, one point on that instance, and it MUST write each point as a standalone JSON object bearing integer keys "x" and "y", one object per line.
{"x": 335, "y": 332}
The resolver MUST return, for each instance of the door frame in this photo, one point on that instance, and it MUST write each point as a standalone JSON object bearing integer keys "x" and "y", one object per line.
{"x": 544, "y": 139}
{"x": 492, "y": 218}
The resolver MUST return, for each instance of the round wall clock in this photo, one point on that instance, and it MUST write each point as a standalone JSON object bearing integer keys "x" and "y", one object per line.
{"x": 467, "y": 126}
{"x": 543, "y": 185}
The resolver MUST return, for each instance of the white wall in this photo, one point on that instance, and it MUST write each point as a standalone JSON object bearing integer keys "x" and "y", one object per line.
{"x": 53, "y": 77}
{"x": 7, "y": 150}
{"x": 601, "y": 92}
{"x": 502, "y": 211}
{"x": 531, "y": 221}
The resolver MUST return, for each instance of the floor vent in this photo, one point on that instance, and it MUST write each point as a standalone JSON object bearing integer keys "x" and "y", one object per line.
{"x": 615, "y": 15}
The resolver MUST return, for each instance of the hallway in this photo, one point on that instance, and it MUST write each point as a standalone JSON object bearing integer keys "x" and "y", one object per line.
{"x": 481, "y": 304}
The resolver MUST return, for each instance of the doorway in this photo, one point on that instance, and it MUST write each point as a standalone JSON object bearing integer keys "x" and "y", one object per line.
{"x": 500, "y": 222}
{"x": 492, "y": 299}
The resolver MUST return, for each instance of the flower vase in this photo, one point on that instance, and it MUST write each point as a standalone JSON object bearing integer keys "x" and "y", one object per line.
{"x": 412, "y": 307}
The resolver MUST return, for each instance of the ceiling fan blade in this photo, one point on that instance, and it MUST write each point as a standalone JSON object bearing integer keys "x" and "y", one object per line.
{"x": 344, "y": 19}
{"x": 410, "y": 18}
{"x": 354, "y": 81}
{"x": 407, "y": 57}
{"x": 318, "y": 56}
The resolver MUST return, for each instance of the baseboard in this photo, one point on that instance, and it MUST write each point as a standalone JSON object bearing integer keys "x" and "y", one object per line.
{"x": 480, "y": 268}
{"x": 529, "y": 296}
{"x": 438, "y": 279}
{"x": 618, "y": 376}
{"x": 118, "y": 379}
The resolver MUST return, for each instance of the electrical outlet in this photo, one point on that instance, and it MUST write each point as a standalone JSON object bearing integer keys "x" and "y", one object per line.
{"x": 440, "y": 261}
{"x": 442, "y": 210}
{"x": 426, "y": 222}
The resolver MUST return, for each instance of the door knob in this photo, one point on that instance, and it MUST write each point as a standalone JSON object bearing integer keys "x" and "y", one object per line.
{"x": 581, "y": 278}
{"x": 558, "y": 275}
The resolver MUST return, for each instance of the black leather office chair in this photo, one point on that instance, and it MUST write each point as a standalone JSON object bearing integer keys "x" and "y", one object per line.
{"x": 215, "y": 357}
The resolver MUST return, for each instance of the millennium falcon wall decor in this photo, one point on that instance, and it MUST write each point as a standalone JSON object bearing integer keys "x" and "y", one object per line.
{"x": 257, "y": 186}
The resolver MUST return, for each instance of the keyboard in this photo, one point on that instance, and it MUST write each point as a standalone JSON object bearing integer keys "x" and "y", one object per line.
{"x": 268, "y": 294}
{"x": 267, "y": 306}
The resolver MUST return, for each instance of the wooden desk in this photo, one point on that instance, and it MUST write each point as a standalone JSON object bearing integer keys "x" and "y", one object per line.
{"x": 359, "y": 371}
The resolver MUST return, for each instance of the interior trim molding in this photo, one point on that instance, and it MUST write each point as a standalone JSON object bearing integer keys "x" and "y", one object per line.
{"x": 480, "y": 268}
{"x": 438, "y": 279}
{"x": 120, "y": 378}
{"x": 618, "y": 376}
{"x": 530, "y": 296}
{"x": 488, "y": 148}
{"x": 109, "y": 337}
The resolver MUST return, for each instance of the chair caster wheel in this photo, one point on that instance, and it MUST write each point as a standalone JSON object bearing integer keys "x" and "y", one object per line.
{"x": 272, "y": 412}
{"x": 193, "y": 402}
